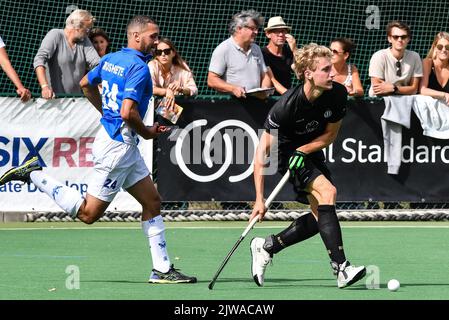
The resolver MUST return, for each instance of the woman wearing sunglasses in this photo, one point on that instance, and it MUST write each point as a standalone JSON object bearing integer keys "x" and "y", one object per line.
{"x": 170, "y": 73}
{"x": 344, "y": 72}
{"x": 435, "y": 81}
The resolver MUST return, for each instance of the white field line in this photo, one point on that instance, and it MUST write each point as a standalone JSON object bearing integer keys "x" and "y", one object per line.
{"x": 221, "y": 227}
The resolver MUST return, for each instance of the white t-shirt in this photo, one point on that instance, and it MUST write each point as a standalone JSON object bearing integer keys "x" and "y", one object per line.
{"x": 383, "y": 66}
{"x": 2, "y": 44}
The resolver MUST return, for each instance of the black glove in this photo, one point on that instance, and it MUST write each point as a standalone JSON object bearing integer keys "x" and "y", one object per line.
{"x": 296, "y": 163}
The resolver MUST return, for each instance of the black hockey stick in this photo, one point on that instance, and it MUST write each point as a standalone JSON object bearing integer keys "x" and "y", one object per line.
{"x": 273, "y": 194}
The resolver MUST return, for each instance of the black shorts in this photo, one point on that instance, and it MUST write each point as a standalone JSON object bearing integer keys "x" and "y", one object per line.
{"x": 316, "y": 166}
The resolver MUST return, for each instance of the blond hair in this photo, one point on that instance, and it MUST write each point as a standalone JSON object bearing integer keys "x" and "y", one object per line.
{"x": 76, "y": 19}
{"x": 440, "y": 35}
{"x": 306, "y": 58}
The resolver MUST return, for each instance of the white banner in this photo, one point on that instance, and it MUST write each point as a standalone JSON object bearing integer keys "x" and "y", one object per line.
{"x": 61, "y": 132}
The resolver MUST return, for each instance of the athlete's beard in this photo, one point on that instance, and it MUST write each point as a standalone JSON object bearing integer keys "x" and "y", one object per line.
{"x": 149, "y": 49}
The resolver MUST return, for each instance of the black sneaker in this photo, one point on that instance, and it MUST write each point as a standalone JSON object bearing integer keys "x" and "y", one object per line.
{"x": 21, "y": 173}
{"x": 171, "y": 276}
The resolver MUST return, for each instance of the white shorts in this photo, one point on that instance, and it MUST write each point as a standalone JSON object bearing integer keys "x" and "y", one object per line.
{"x": 116, "y": 165}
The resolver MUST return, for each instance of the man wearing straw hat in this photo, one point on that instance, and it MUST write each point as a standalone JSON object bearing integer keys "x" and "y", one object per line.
{"x": 279, "y": 57}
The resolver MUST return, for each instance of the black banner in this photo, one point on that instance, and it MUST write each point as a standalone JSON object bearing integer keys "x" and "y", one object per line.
{"x": 210, "y": 159}
{"x": 359, "y": 168}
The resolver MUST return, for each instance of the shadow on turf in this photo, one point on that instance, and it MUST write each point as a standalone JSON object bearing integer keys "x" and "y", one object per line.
{"x": 112, "y": 281}
{"x": 384, "y": 286}
{"x": 130, "y": 281}
{"x": 274, "y": 283}
{"x": 279, "y": 283}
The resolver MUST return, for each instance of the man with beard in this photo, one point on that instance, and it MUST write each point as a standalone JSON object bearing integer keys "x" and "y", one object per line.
{"x": 126, "y": 91}
{"x": 65, "y": 56}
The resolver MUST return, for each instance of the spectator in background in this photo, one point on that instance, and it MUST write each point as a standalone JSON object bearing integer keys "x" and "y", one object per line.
{"x": 170, "y": 73}
{"x": 6, "y": 65}
{"x": 395, "y": 70}
{"x": 65, "y": 56}
{"x": 345, "y": 73}
{"x": 237, "y": 64}
{"x": 100, "y": 41}
{"x": 435, "y": 81}
{"x": 279, "y": 57}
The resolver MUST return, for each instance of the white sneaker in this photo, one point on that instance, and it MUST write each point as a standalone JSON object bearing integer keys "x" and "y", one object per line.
{"x": 348, "y": 274}
{"x": 260, "y": 260}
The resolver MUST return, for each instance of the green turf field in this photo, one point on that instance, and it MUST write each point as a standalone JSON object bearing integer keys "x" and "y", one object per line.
{"x": 114, "y": 263}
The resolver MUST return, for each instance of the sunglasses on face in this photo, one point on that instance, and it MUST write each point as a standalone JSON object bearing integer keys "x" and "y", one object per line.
{"x": 403, "y": 37}
{"x": 279, "y": 31}
{"x": 252, "y": 28}
{"x": 336, "y": 52}
{"x": 398, "y": 68}
{"x": 440, "y": 47}
{"x": 159, "y": 52}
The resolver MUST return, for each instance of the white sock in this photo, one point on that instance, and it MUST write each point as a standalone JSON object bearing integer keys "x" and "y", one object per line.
{"x": 154, "y": 230}
{"x": 69, "y": 199}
